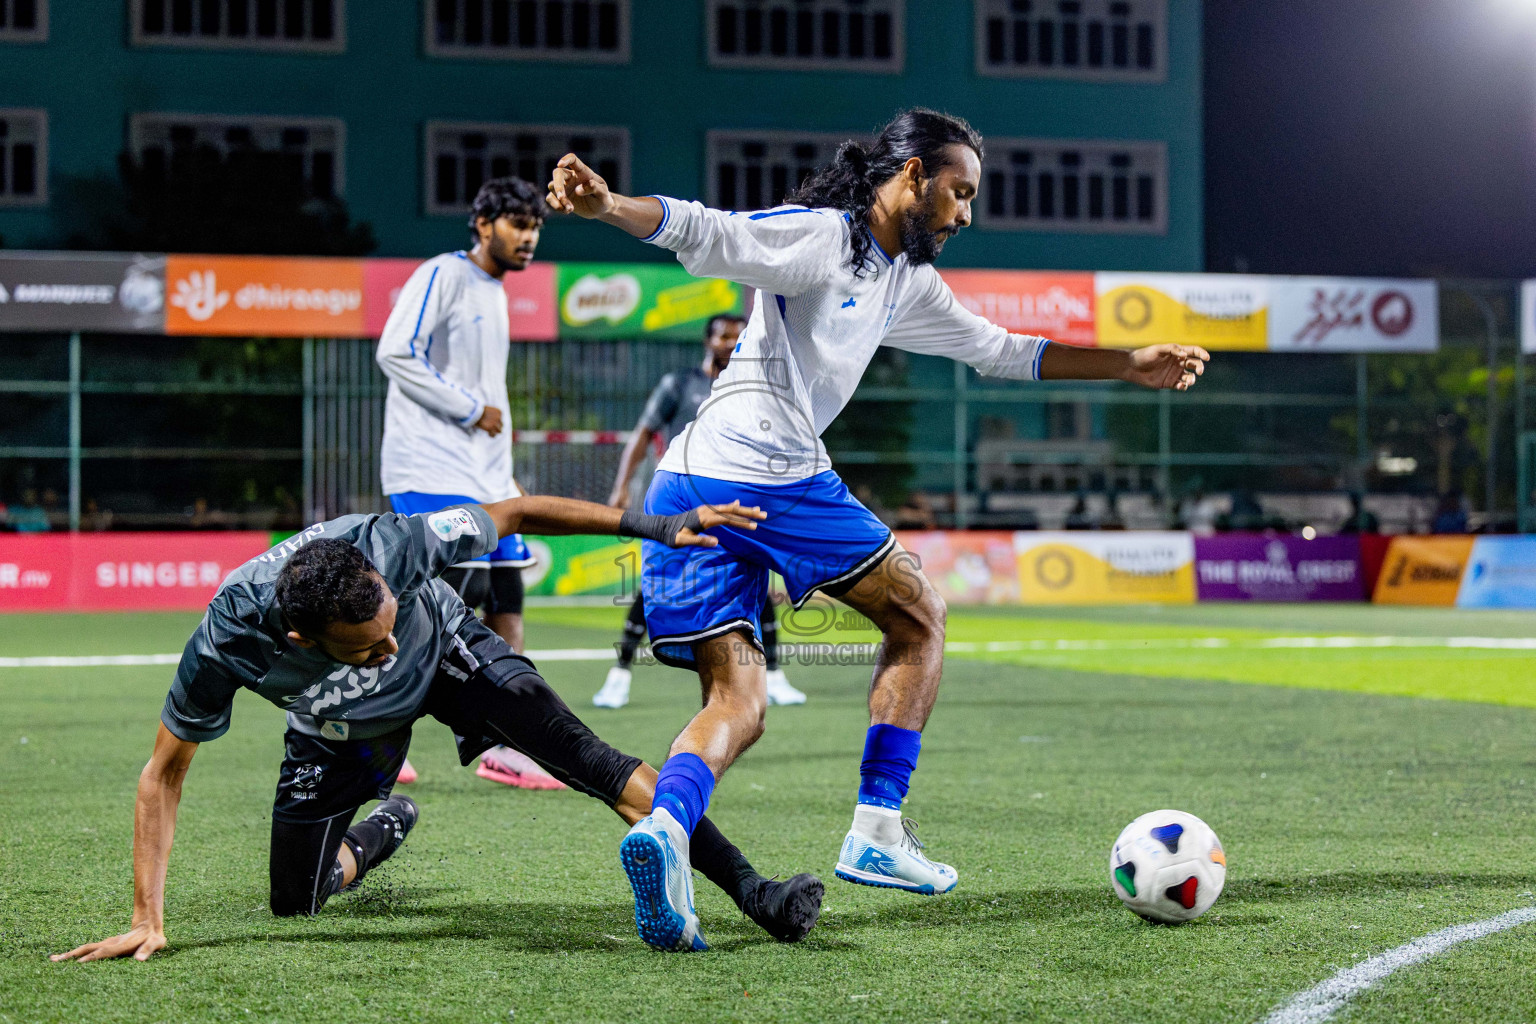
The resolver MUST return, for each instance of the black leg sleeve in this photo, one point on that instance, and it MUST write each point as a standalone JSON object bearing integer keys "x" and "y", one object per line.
{"x": 634, "y": 632}
{"x": 769, "y": 624}
{"x": 303, "y": 863}
{"x": 507, "y": 701}
{"x": 722, "y": 863}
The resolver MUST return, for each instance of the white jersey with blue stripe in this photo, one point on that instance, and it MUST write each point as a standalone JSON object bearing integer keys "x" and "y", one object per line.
{"x": 813, "y": 330}
{"x": 444, "y": 350}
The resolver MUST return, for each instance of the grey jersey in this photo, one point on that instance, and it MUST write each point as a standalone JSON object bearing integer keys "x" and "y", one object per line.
{"x": 242, "y": 641}
{"x": 675, "y": 402}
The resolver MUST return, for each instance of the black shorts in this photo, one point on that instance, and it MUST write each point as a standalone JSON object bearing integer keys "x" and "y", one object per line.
{"x": 487, "y": 695}
{"x": 496, "y": 589}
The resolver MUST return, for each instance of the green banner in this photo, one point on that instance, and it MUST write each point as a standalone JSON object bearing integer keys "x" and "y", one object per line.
{"x": 573, "y": 566}
{"x": 640, "y": 300}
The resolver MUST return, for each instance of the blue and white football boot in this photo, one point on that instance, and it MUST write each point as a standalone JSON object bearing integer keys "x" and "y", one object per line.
{"x": 655, "y": 857}
{"x": 882, "y": 849}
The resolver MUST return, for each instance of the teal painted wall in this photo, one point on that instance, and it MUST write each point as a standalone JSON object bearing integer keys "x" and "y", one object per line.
{"x": 90, "y": 79}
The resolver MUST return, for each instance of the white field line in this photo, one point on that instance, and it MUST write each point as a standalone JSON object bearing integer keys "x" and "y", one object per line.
{"x": 1321, "y": 1002}
{"x": 1491, "y": 643}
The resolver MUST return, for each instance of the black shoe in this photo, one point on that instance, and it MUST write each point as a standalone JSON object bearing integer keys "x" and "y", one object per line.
{"x": 397, "y": 816}
{"x": 787, "y": 910}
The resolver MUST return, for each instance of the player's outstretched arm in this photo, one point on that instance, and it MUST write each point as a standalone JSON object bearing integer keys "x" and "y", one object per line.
{"x": 154, "y": 825}
{"x": 576, "y": 188}
{"x": 1159, "y": 367}
{"x": 550, "y": 516}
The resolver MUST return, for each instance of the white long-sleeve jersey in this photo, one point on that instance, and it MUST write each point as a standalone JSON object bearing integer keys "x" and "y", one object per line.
{"x": 813, "y": 330}
{"x": 444, "y": 350}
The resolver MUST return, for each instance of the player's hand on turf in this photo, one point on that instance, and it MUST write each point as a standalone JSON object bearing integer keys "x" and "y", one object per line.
{"x": 576, "y": 188}
{"x": 1162, "y": 367}
{"x": 735, "y": 514}
{"x": 489, "y": 421}
{"x": 141, "y": 943}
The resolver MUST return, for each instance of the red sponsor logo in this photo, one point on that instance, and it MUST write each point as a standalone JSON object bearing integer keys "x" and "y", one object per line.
{"x": 1059, "y": 306}
{"x": 530, "y": 297}
{"x": 110, "y": 571}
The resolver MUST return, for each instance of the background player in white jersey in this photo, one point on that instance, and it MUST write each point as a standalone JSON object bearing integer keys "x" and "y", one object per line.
{"x": 673, "y": 405}
{"x": 845, "y": 269}
{"x": 447, "y": 439}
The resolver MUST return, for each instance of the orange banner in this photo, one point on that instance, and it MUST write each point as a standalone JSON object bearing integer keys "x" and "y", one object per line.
{"x": 1058, "y": 306}
{"x": 264, "y": 296}
{"x": 1423, "y": 570}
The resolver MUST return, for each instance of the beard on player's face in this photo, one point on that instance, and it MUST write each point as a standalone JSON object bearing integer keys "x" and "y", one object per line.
{"x": 511, "y": 245}
{"x": 921, "y": 239}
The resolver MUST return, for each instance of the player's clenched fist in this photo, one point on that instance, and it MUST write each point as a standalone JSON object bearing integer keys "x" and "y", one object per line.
{"x": 1175, "y": 367}
{"x": 576, "y": 188}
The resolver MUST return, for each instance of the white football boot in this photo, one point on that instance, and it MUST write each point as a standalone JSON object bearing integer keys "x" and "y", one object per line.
{"x": 655, "y": 857}
{"x": 779, "y": 690}
{"x": 882, "y": 849}
{"x": 615, "y": 691}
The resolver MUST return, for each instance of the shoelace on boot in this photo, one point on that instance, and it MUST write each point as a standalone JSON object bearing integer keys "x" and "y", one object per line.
{"x": 909, "y": 835}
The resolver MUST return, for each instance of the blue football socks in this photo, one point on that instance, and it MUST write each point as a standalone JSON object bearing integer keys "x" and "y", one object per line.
{"x": 683, "y": 787}
{"x": 890, "y": 756}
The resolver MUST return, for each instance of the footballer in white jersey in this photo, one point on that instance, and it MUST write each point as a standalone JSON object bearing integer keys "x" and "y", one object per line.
{"x": 447, "y": 438}
{"x": 843, "y": 269}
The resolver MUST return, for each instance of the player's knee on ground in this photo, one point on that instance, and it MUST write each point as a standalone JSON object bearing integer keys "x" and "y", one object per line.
{"x": 298, "y": 898}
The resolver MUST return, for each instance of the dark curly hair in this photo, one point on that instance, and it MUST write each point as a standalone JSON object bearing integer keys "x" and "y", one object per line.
{"x": 850, "y": 182}
{"x": 328, "y": 581}
{"x": 507, "y": 197}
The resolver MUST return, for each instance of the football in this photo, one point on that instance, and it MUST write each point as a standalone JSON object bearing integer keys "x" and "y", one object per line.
{"x": 1168, "y": 867}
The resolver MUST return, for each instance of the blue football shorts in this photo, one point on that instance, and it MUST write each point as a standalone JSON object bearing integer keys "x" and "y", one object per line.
{"x": 817, "y": 537}
{"x": 510, "y": 553}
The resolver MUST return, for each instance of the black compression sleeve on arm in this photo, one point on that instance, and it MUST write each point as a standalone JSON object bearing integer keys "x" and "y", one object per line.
{"x": 659, "y": 528}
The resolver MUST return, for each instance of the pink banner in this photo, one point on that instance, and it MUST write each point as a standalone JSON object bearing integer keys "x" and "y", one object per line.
{"x": 120, "y": 571}
{"x": 530, "y": 297}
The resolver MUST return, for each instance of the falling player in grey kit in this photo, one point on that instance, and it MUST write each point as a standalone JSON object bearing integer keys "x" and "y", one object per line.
{"x": 672, "y": 406}
{"x": 348, "y": 629}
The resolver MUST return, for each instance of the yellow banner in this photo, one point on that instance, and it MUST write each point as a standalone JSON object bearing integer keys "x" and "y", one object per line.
{"x": 1423, "y": 570}
{"x": 1105, "y": 568}
{"x": 1216, "y": 311}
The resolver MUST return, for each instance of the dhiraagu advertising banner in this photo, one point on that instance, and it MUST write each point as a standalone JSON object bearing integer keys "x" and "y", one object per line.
{"x": 576, "y": 566}
{"x": 1108, "y": 567}
{"x": 640, "y": 300}
{"x": 1223, "y": 312}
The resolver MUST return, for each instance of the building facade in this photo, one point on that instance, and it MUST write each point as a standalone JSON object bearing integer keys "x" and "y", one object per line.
{"x": 1091, "y": 108}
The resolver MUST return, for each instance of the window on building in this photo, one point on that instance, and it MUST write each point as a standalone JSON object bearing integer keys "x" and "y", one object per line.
{"x": 23, "y": 21}
{"x": 1095, "y": 40}
{"x": 1075, "y": 185}
{"x": 23, "y": 157}
{"x": 579, "y": 30}
{"x": 851, "y": 35}
{"x": 309, "y": 148}
{"x": 754, "y": 170}
{"x": 462, "y": 157}
{"x": 318, "y": 25}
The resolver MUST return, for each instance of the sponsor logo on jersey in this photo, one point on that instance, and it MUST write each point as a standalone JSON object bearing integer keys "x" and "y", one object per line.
{"x": 453, "y": 523}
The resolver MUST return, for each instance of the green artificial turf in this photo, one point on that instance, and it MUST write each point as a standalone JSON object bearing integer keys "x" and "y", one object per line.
{"x": 1353, "y": 822}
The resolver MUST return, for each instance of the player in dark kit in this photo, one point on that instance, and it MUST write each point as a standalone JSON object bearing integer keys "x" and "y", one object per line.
{"x": 672, "y": 406}
{"x": 348, "y": 629}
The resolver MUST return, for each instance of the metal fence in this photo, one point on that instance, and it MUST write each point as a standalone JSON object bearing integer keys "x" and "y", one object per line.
{"x": 135, "y": 432}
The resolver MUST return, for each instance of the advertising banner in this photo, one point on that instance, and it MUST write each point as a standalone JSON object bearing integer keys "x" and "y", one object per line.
{"x": 1528, "y": 316}
{"x": 1105, "y": 568}
{"x": 967, "y": 567}
{"x": 1216, "y": 311}
{"x": 1501, "y": 573}
{"x": 119, "y": 571}
{"x": 530, "y": 297}
{"x": 1353, "y": 314}
{"x": 285, "y": 297}
{"x": 1423, "y": 570}
{"x": 77, "y": 291}
{"x": 572, "y": 566}
{"x": 1254, "y": 567}
{"x": 1058, "y": 306}
{"x": 640, "y": 300}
